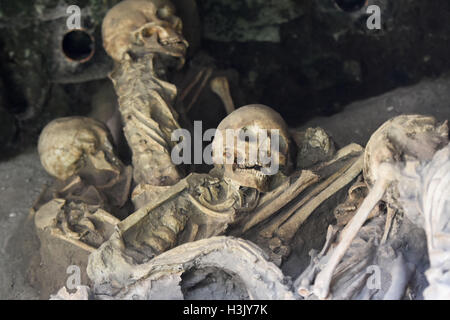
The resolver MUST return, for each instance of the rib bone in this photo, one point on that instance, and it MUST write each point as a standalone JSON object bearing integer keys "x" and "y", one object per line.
{"x": 324, "y": 191}
{"x": 323, "y": 279}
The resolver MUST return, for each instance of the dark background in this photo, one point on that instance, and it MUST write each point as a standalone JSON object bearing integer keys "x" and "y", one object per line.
{"x": 304, "y": 58}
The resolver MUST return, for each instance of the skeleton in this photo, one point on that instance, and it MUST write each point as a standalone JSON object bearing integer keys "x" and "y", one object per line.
{"x": 92, "y": 183}
{"x": 203, "y": 205}
{"x": 120, "y": 272}
{"x": 199, "y": 206}
{"x": 145, "y": 39}
{"x": 207, "y": 205}
{"x": 408, "y": 139}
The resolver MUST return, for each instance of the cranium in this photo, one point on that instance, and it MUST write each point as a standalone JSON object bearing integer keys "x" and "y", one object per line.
{"x": 143, "y": 26}
{"x": 246, "y": 124}
{"x": 403, "y": 138}
{"x": 79, "y": 146}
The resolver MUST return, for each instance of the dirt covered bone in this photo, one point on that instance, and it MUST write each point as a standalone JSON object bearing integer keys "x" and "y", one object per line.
{"x": 144, "y": 37}
{"x": 70, "y": 216}
{"x": 115, "y": 276}
{"x": 244, "y": 126}
{"x": 401, "y": 139}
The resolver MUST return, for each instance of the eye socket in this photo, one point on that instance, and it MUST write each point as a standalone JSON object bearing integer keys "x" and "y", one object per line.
{"x": 247, "y": 135}
{"x": 148, "y": 32}
{"x": 282, "y": 144}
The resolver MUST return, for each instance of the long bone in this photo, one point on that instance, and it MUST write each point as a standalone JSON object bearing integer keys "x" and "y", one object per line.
{"x": 288, "y": 229}
{"x": 400, "y": 139}
{"x": 272, "y": 203}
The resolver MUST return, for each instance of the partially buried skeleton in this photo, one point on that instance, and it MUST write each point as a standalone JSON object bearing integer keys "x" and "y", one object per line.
{"x": 177, "y": 220}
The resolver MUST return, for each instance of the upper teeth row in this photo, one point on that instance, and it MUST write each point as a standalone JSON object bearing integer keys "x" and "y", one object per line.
{"x": 257, "y": 173}
{"x": 170, "y": 41}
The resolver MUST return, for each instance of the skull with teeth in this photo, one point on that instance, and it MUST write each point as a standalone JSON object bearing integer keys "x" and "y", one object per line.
{"x": 252, "y": 144}
{"x": 143, "y": 26}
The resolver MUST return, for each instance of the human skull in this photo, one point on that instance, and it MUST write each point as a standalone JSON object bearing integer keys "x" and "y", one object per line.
{"x": 246, "y": 124}
{"x": 78, "y": 146}
{"x": 143, "y": 26}
{"x": 403, "y": 138}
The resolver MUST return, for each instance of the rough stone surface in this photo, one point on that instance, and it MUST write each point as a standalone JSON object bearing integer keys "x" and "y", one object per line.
{"x": 21, "y": 181}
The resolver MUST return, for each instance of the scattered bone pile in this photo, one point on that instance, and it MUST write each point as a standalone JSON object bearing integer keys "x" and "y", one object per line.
{"x": 151, "y": 232}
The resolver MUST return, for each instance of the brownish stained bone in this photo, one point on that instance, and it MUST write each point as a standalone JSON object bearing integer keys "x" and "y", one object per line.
{"x": 276, "y": 233}
{"x": 118, "y": 278}
{"x": 71, "y": 217}
{"x": 137, "y": 34}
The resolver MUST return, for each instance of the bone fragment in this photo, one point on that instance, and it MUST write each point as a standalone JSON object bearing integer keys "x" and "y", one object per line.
{"x": 306, "y": 179}
{"x": 290, "y": 227}
{"x": 323, "y": 279}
